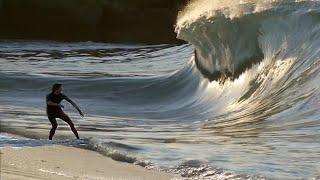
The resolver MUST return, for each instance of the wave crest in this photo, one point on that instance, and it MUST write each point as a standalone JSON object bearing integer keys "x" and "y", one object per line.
{"x": 230, "y": 40}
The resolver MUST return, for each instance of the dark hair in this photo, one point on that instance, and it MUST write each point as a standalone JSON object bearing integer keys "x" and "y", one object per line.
{"x": 55, "y": 87}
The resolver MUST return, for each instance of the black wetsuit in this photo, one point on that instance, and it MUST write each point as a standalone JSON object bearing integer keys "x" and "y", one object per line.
{"x": 54, "y": 112}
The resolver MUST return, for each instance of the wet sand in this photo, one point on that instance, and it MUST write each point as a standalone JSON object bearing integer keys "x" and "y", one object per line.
{"x": 63, "y": 162}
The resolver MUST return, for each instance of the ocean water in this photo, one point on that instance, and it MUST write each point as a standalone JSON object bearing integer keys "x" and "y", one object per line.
{"x": 240, "y": 100}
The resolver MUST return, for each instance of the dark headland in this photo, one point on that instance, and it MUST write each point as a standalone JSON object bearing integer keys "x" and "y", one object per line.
{"x": 129, "y": 21}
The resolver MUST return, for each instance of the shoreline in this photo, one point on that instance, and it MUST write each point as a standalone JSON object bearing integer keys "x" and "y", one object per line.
{"x": 64, "y": 162}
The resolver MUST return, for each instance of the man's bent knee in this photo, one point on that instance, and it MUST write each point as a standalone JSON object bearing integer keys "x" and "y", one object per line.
{"x": 54, "y": 125}
{"x": 70, "y": 124}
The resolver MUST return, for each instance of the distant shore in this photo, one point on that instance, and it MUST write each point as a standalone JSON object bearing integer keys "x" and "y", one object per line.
{"x": 63, "y": 162}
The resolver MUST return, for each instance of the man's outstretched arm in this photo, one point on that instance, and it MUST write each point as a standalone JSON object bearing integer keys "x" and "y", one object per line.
{"x": 74, "y": 105}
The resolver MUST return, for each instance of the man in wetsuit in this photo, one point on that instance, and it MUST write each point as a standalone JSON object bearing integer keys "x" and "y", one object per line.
{"x": 54, "y": 109}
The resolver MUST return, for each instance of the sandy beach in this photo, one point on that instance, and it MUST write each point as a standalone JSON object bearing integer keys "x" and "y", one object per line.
{"x": 63, "y": 162}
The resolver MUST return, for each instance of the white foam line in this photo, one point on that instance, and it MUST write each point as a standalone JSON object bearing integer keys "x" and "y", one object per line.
{"x": 83, "y": 177}
{"x": 56, "y": 173}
